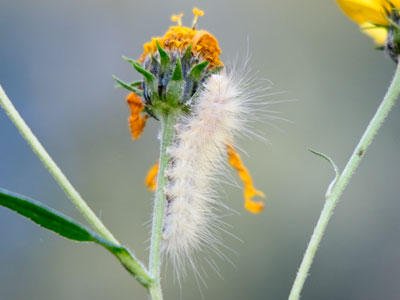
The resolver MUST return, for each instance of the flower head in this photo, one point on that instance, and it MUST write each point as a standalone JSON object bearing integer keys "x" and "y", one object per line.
{"x": 379, "y": 19}
{"x": 174, "y": 67}
{"x": 177, "y": 39}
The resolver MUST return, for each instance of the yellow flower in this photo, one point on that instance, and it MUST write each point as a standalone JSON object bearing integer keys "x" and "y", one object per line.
{"x": 374, "y": 16}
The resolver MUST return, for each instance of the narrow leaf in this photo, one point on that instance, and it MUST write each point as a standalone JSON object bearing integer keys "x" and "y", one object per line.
{"x": 128, "y": 86}
{"x": 132, "y": 84}
{"x": 46, "y": 217}
{"x": 146, "y": 74}
{"x": 335, "y": 167}
{"x": 57, "y": 222}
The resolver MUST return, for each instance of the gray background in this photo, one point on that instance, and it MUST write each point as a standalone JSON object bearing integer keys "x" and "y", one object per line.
{"x": 56, "y": 61}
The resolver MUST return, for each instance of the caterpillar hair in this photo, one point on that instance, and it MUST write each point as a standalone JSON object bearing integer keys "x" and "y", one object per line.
{"x": 197, "y": 157}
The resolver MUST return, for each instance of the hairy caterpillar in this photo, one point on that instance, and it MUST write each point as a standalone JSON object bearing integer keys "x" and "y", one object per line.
{"x": 197, "y": 156}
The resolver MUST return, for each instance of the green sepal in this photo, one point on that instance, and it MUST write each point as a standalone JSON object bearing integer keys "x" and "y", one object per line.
{"x": 174, "y": 92}
{"x": 177, "y": 74}
{"x": 197, "y": 70}
{"x": 146, "y": 74}
{"x": 132, "y": 84}
{"x": 155, "y": 66}
{"x": 164, "y": 58}
{"x": 128, "y": 86}
{"x": 47, "y": 217}
{"x": 176, "y": 84}
{"x": 187, "y": 56}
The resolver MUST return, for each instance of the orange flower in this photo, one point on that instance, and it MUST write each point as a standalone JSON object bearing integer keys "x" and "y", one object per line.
{"x": 178, "y": 38}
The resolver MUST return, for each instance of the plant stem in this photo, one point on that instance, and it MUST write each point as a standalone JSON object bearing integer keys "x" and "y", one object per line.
{"x": 168, "y": 121}
{"x": 53, "y": 168}
{"x": 342, "y": 181}
{"x": 128, "y": 260}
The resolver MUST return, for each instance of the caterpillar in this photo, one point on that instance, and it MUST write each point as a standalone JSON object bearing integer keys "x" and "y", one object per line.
{"x": 197, "y": 158}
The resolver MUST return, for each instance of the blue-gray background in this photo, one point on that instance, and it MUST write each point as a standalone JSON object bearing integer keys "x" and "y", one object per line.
{"x": 56, "y": 61}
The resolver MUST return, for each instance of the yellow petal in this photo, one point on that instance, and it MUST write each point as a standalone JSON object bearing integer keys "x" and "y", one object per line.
{"x": 362, "y": 11}
{"x": 378, "y": 34}
{"x": 151, "y": 178}
{"x": 249, "y": 190}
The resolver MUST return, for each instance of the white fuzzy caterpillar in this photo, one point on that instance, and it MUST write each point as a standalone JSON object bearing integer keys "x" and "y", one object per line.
{"x": 197, "y": 157}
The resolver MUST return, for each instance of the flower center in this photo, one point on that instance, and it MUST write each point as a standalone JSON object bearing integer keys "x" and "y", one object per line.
{"x": 178, "y": 38}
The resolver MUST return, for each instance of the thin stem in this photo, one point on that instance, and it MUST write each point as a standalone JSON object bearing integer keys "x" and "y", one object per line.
{"x": 130, "y": 262}
{"x": 167, "y": 128}
{"x": 334, "y": 195}
{"x": 132, "y": 265}
{"x": 53, "y": 168}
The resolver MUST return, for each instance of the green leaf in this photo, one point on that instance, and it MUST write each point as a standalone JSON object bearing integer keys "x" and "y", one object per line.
{"x": 197, "y": 70}
{"x": 146, "y": 74}
{"x": 46, "y": 217}
{"x": 334, "y": 166}
{"x": 55, "y": 221}
{"x": 130, "y": 87}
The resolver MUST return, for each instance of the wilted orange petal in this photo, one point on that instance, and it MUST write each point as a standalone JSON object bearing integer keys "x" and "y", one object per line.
{"x": 249, "y": 190}
{"x": 136, "y": 121}
{"x": 151, "y": 178}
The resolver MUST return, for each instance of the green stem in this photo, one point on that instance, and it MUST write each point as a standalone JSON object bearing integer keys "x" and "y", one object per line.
{"x": 128, "y": 260}
{"x": 333, "y": 196}
{"x": 167, "y": 127}
{"x": 53, "y": 168}
{"x": 131, "y": 264}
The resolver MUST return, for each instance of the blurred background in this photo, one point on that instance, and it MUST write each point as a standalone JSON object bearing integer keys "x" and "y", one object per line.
{"x": 56, "y": 62}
